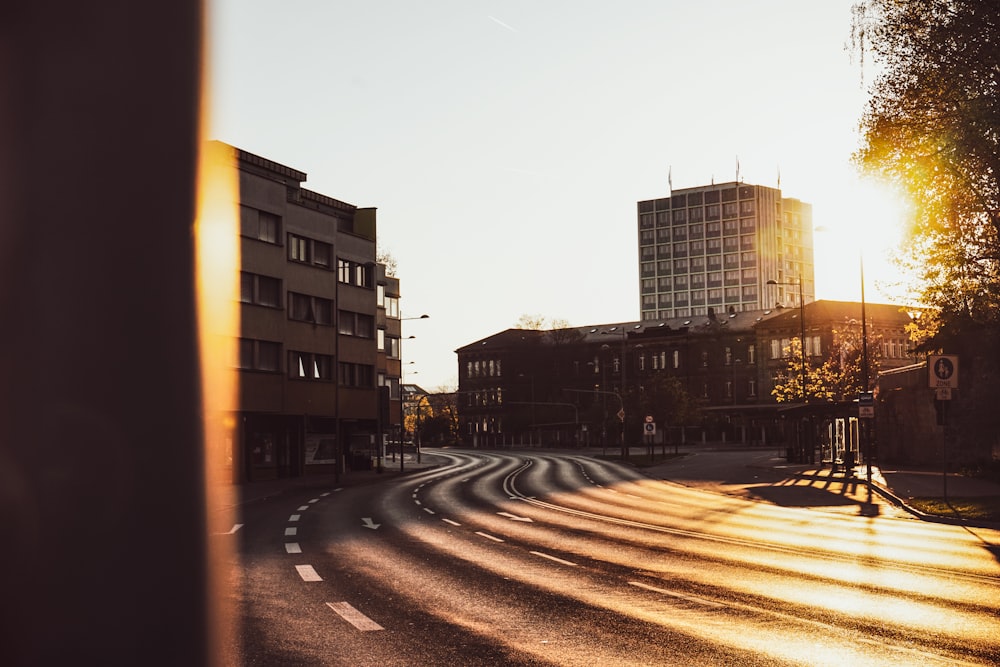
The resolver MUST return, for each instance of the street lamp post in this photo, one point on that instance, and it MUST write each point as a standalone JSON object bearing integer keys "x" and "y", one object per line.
{"x": 620, "y": 331}
{"x": 802, "y": 343}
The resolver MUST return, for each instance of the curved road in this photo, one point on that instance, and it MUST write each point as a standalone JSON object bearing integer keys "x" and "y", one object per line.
{"x": 561, "y": 559}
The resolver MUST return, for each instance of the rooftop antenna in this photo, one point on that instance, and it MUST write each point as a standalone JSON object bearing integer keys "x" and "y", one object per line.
{"x": 670, "y": 179}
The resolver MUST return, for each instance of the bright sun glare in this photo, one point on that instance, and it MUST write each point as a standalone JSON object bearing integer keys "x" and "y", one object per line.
{"x": 869, "y": 221}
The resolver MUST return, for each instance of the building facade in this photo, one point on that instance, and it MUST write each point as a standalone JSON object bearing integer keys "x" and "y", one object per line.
{"x": 596, "y": 384}
{"x": 717, "y": 246}
{"x": 319, "y": 329}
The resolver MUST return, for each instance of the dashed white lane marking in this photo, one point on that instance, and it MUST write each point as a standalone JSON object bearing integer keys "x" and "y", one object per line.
{"x": 308, "y": 573}
{"x": 303, "y": 508}
{"x": 295, "y": 517}
{"x": 289, "y": 532}
{"x": 354, "y": 617}
{"x": 488, "y": 536}
{"x": 454, "y": 523}
{"x": 681, "y": 596}
{"x": 418, "y": 502}
{"x": 326, "y": 493}
{"x": 429, "y": 510}
{"x": 314, "y": 500}
{"x": 292, "y": 548}
{"x": 553, "y": 558}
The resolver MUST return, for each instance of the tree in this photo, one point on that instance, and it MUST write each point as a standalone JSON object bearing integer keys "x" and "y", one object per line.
{"x": 385, "y": 257}
{"x": 932, "y": 128}
{"x": 840, "y": 376}
{"x": 540, "y": 322}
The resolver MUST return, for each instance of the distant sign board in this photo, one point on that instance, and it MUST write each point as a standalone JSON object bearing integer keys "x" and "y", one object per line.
{"x": 942, "y": 371}
{"x": 649, "y": 428}
{"x": 866, "y": 404}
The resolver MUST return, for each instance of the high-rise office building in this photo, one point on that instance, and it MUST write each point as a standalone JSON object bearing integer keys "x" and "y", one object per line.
{"x": 717, "y": 246}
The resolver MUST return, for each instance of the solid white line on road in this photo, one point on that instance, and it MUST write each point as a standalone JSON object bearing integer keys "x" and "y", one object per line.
{"x": 429, "y": 510}
{"x": 553, "y": 558}
{"x": 681, "y": 596}
{"x": 489, "y": 537}
{"x": 289, "y": 532}
{"x": 292, "y": 548}
{"x": 354, "y": 617}
{"x": 514, "y": 517}
{"x": 294, "y": 517}
{"x": 308, "y": 573}
{"x": 454, "y": 523}
{"x": 303, "y": 508}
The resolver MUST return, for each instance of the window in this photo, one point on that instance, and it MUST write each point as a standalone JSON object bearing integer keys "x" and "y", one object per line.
{"x": 748, "y": 242}
{"x": 392, "y": 306}
{"x": 648, "y": 285}
{"x": 645, "y": 220}
{"x": 746, "y": 207}
{"x": 729, "y": 210}
{"x": 361, "y": 376}
{"x": 647, "y": 236}
{"x": 298, "y": 248}
{"x": 696, "y": 214}
{"x": 752, "y": 353}
{"x": 749, "y": 275}
{"x": 727, "y": 355}
{"x": 354, "y": 273}
{"x": 309, "y": 366}
{"x": 259, "y": 225}
{"x": 712, "y": 212}
{"x": 258, "y": 355}
{"x": 355, "y": 324}
{"x": 648, "y": 268}
{"x": 752, "y": 388}
{"x": 680, "y": 216}
{"x": 680, "y": 266}
{"x": 260, "y": 290}
{"x": 305, "y": 308}
{"x": 392, "y": 347}
{"x": 380, "y": 343}
{"x": 748, "y": 225}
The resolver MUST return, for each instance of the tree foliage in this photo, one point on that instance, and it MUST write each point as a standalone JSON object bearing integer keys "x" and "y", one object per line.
{"x": 932, "y": 128}
{"x": 839, "y": 377}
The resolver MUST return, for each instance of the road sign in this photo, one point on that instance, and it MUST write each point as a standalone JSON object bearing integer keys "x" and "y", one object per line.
{"x": 943, "y": 394}
{"x": 621, "y": 414}
{"x": 649, "y": 419}
{"x": 942, "y": 371}
{"x": 866, "y": 404}
{"x": 649, "y": 428}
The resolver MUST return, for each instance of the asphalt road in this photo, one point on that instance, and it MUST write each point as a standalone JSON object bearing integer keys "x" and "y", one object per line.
{"x": 548, "y": 559}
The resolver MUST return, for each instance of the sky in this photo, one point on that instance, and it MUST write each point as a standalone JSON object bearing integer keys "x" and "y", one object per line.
{"x": 505, "y": 143}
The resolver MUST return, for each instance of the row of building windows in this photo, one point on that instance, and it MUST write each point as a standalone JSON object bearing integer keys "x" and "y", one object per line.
{"x": 698, "y": 213}
{"x": 483, "y": 368}
{"x": 706, "y": 247}
{"x": 679, "y": 296}
{"x": 263, "y": 290}
{"x": 266, "y": 227}
{"x": 491, "y": 397}
{"x": 697, "y": 230}
{"x": 684, "y": 264}
{"x": 710, "y": 279}
{"x": 265, "y": 356}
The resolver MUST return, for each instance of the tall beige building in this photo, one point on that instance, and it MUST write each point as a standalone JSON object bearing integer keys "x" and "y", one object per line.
{"x": 717, "y": 246}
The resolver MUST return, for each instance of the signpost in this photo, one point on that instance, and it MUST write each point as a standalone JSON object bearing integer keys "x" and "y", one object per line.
{"x": 942, "y": 377}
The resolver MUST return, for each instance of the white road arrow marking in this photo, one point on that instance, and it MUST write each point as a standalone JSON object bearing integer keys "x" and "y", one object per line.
{"x": 368, "y": 523}
{"x": 514, "y": 517}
